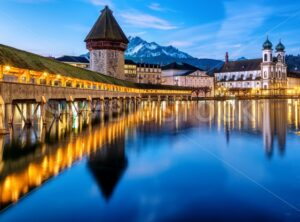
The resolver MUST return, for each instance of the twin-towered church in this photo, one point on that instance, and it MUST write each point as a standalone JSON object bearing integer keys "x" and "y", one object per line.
{"x": 268, "y": 72}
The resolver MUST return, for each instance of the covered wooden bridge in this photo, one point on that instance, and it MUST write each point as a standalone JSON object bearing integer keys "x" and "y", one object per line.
{"x": 29, "y": 82}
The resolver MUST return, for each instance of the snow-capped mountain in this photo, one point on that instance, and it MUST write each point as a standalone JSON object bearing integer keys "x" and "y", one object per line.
{"x": 139, "y": 48}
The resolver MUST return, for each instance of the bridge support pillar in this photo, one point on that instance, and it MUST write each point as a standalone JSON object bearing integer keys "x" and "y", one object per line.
{"x": 94, "y": 106}
{"x": 127, "y": 104}
{"x": 43, "y": 113}
{"x": 134, "y": 99}
{"x": 101, "y": 104}
{"x": 3, "y": 130}
{"x": 167, "y": 99}
{"x": 115, "y": 105}
{"x": 89, "y": 106}
{"x": 108, "y": 107}
{"x": 8, "y": 114}
{"x": 70, "y": 108}
{"x": 138, "y": 101}
{"x": 28, "y": 116}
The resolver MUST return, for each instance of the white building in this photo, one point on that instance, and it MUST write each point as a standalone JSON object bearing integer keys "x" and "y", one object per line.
{"x": 186, "y": 75}
{"x": 268, "y": 72}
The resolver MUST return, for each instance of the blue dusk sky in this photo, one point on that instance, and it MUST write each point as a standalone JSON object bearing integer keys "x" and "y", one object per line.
{"x": 204, "y": 29}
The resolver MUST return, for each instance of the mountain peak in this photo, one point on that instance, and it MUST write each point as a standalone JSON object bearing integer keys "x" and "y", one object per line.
{"x": 139, "y": 48}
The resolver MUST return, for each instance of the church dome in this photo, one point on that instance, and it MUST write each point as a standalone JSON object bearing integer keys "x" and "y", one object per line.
{"x": 280, "y": 47}
{"x": 267, "y": 44}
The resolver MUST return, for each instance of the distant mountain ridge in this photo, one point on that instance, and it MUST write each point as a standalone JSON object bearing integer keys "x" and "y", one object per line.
{"x": 292, "y": 61}
{"x": 141, "y": 51}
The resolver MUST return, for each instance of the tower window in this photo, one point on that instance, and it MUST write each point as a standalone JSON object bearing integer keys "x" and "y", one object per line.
{"x": 266, "y": 57}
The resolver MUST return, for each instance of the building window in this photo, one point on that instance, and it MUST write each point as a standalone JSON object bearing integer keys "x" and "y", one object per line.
{"x": 265, "y": 75}
{"x": 266, "y": 57}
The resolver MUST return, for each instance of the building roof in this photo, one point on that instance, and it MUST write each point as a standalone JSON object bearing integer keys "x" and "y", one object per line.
{"x": 180, "y": 66}
{"x": 242, "y": 65}
{"x": 186, "y": 73}
{"x": 107, "y": 28}
{"x": 26, "y": 60}
{"x": 129, "y": 62}
{"x": 267, "y": 44}
{"x": 73, "y": 59}
{"x": 148, "y": 65}
{"x": 280, "y": 47}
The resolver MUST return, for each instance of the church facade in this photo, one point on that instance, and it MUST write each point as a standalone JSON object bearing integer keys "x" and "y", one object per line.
{"x": 268, "y": 72}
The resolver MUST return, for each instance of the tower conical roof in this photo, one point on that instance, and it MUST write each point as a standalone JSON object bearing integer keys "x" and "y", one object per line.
{"x": 107, "y": 29}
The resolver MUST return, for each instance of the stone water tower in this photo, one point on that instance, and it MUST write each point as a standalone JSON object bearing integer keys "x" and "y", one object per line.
{"x": 107, "y": 44}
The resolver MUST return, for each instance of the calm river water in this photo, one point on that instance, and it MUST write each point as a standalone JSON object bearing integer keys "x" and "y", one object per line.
{"x": 183, "y": 161}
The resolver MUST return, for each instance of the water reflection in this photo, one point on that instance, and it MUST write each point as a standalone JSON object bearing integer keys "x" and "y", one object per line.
{"x": 108, "y": 164}
{"x": 31, "y": 156}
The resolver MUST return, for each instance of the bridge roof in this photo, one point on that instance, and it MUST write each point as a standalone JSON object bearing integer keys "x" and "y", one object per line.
{"x": 26, "y": 60}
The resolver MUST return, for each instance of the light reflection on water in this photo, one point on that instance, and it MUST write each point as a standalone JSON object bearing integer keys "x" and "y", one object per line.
{"x": 161, "y": 139}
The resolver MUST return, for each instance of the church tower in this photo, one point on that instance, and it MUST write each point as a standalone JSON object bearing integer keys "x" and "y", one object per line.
{"x": 107, "y": 44}
{"x": 267, "y": 66}
{"x": 281, "y": 67}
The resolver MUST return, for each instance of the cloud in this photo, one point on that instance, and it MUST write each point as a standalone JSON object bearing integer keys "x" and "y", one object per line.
{"x": 156, "y": 7}
{"x": 102, "y": 2}
{"x": 190, "y": 38}
{"x": 143, "y": 20}
{"x": 179, "y": 44}
{"x": 159, "y": 8}
{"x": 240, "y": 32}
{"x": 242, "y": 25}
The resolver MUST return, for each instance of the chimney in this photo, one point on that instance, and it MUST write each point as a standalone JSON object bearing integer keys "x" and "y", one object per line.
{"x": 227, "y": 58}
